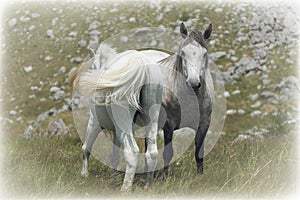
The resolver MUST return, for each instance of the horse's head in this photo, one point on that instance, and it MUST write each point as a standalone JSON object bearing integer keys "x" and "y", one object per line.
{"x": 192, "y": 56}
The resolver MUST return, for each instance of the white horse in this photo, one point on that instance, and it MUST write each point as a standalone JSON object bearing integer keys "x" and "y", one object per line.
{"x": 119, "y": 86}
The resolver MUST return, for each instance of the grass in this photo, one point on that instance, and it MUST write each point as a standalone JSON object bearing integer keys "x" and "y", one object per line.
{"x": 47, "y": 167}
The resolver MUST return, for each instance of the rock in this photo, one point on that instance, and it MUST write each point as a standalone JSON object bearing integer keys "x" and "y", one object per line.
{"x": 54, "y": 89}
{"x": 113, "y": 10}
{"x": 27, "y": 69}
{"x": 226, "y": 94}
{"x": 64, "y": 108}
{"x": 57, "y": 127}
{"x": 60, "y": 95}
{"x": 52, "y": 111}
{"x": 267, "y": 94}
{"x": 41, "y": 117}
{"x": 235, "y": 92}
{"x": 43, "y": 99}
{"x": 32, "y": 96}
{"x": 12, "y": 99}
{"x": 73, "y": 34}
{"x": 77, "y": 60}
{"x": 28, "y": 132}
{"x": 243, "y": 67}
{"x": 94, "y": 33}
{"x": 241, "y": 111}
{"x": 292, "y": 80}
{"x": 266, "y": 81}
{"x": 216, "y": 55}
{"x": 256, "y": 113}
{"x": 242, "y": 137}
{"x": 53, "y": 22}
{"x": 233, "y": 58}
{"x": 94, "y": 25}
{"x": 24, "y": 19}
{"x": 218, "y": 10}
{"x": 256, "y": 105}
{"x": 48, "y": 58}
{"x": 34, "y": 88}
{"x": 76, "y": 103}
{"x": 35, "y": 15}
{"x": 13, "y": 113}
{"x": 231, "y": 112}
{"x": 253, "y": 97}
{"x": 132, "y": 19}
{"x": 72, "y": 71}
{"x": 62, "y": 70}
{"x": 93, "y": 44}
{"x": 19, "y": 119}
{"x": 153, "y": 43}
{"x": 82, "y": 43}
{"x": 12, "y": 22}
{"x": 31, "y": 28}
{"x": 124, "y": 39}
{"x": 50, "y": 33}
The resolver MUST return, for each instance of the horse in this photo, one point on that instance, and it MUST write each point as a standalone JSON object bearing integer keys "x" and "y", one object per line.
{"x": 182, "y": 110}
{"x": 130, "y": 82}
{"x": 195, "y": 85}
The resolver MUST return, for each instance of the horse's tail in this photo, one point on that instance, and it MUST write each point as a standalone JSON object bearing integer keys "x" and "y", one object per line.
{"x": 121, "y": 83}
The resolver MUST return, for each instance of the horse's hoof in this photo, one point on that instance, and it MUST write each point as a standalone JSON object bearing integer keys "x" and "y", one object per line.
{"x": 200, "y": 169}
{"x": 147, "y": 188}
{"x": 125, "y": 190}
{"x": 165, "y": 176}
{"x": 84, "y": 174}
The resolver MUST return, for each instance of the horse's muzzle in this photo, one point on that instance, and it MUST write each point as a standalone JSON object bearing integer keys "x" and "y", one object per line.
{"x": 195, "y": 87}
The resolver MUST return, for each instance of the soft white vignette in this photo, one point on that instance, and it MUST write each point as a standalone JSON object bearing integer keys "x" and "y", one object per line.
{"x": 295, "y": 4}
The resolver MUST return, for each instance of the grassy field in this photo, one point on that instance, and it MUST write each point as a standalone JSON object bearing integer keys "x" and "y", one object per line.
{"x": 49, "y": 167}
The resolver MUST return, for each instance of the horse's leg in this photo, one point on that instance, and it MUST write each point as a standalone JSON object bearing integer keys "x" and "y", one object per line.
{"x": 123, "y": 118}
{"x": 199, "y": 141}
{"x": 131, "y": 151}
{"x": 151, "y": 96}
{"x": 168, "y": 147}
{"x": 115, "y": 154}
{"x": 93, "y": 129}
{"x": 199, "y": 151}
{"x": 151, "y": 139}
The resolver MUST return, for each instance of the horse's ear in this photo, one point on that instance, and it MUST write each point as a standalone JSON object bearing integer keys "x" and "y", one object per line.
{"x": 91, "y": 52}
{"x": 183, "y": 30}
{"x": 207, "y": 32}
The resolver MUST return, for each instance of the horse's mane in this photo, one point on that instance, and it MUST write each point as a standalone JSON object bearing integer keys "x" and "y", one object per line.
{"x": 173, "y": 62}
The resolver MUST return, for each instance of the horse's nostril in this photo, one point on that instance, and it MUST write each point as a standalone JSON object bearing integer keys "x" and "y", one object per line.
{"x": 195, "y": 87}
